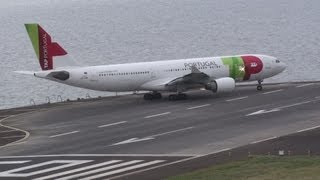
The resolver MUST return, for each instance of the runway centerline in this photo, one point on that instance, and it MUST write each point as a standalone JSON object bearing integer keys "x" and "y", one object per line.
{"x": 170, "y": 132}
{"x": 156, "y": 115}
{"x": 270, "y": 92}
{"x": 64, "y": 134}
{"x": 304, "y": 85}
{"x": 112, "y": 124}
{"x": 200, "y": 106}
{"x": 235, "y": 99}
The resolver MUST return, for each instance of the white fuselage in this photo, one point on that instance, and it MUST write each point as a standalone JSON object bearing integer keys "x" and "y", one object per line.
{"x": 135, "y": 76}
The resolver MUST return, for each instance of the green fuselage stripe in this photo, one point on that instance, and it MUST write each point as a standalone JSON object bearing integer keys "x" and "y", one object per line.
{"x": 236, "y": 67}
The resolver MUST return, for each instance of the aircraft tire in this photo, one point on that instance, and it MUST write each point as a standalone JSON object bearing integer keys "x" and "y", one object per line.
{"x": 173, "y": 97}
{"x": 157, "y": 96}
{"x": 259, "y": 87}
{"x": 148, "y": 96}
{"x": 182, "y": 96}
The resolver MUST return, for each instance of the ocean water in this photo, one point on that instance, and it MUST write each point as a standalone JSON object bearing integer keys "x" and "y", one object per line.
{"x": 99, "y": 32}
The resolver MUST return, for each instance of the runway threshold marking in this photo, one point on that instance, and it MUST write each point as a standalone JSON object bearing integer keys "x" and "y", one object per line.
{"x": 78, "y": 169}
{"x": 270, "y": 92}
{"x": 85, "y": 167}
{"x": 99, "y": 170}
{"x": 200, "y": 106}
{"x": 262, "y": 140}
{"x": 13, "y": 162}
{"x": 151, "y": 137}
{"x": 170, "y": 163}
{"x": 123, "y": 169}
{"x": 156, "y": 115}
{"x": 64, "y": 134}
{"x": 307, "y": 129}
{"x": 303, "y": 85}
{"x": 112, "y": 124}
{"x": 235, "y": 99}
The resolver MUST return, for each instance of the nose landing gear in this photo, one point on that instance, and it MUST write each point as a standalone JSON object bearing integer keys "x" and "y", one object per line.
{"x": 259, "y": 87}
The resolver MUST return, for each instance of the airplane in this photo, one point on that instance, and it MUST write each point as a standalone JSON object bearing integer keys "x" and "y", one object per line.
{"x": 216, "y": 74}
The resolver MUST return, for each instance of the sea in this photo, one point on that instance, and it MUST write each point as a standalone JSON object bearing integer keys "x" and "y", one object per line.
{"x": 100, "y": 32}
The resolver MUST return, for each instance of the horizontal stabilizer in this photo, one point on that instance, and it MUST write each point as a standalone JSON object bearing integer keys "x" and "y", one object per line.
{"x": 25, "y": 72}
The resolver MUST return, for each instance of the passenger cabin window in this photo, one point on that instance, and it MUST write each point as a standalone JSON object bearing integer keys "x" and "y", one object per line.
{"x": 277, "y": 61}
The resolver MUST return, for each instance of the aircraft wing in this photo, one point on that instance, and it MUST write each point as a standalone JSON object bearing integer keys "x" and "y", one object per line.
{"x": 195, "y": 79}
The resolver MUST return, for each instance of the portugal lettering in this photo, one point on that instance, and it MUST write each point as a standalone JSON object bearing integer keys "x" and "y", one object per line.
{"x": 45, "y": 51}
{"x": 201, "y": 64}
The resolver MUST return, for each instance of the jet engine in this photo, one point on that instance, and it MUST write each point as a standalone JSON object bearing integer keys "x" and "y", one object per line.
{"x": 221, "y": 85}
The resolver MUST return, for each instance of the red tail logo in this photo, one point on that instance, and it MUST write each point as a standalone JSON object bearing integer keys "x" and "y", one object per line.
{"x": 48, "y": 49}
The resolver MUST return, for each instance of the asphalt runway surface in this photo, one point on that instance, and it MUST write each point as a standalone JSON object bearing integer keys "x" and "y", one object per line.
{"x": 119, "y": 136}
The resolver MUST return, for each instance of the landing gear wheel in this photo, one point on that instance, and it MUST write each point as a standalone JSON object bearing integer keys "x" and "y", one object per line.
{"x": 148, "y": 96}
{"x": 151, "y": 96}
{"x": 180, "y": 96}
{"x": 173, "y": 97}
{"x": 259, "y": 87}
{"x": 157, "y": 96}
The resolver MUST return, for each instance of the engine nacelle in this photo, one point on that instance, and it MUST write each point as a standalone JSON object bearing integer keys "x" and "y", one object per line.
{"x": 221, "y": 85}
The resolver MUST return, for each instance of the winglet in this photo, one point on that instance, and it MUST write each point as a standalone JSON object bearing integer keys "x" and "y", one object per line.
{"x": 44, "y": 48}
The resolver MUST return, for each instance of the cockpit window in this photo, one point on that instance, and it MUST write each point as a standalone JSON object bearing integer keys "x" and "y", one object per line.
{"x": 277, "y": 61}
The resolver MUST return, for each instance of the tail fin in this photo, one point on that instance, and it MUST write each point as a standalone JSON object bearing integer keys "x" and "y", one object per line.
{"x": 44, "y": 48}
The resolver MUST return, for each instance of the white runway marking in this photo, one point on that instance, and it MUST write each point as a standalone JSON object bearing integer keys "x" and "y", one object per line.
{"x": 21, "y": 171}
{"x": 303, "y": 85}
{"x": 307, "y": 129}
{"x": 6, "y": 131}
{"x": 99, "y": 170}
{"x": 9, "y": 137}
{"x": 270, "y": 92}
{"x": 156, "y": 115}
{"x": 262, "y": 140}
{"x": 196, "y": 107}
{"x": 152, "y": 137}
{"x": 13, "y": 162}
{"x": 13, "y": 128}
{"x": 63, "y": 134}
{"x": 123, "y": 170}
{"x": 101, "y": 155}
{"x": 112, "y": 124}
{"x": 235, "y": 99}
{"x": 295, "y": 104}
{"x": 318, "y": 97}
{"x": 263, "y": 111}
{"x": 77, "y": 170}
{"x": 170, "y": 132}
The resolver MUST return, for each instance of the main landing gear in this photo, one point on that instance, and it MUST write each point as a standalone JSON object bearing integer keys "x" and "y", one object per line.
{"x": 259, "y": 87}
{"x": 151, "y": 96}
{"x": 179, "y": 96}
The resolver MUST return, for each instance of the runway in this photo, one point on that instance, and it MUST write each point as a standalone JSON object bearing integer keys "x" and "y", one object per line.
{"x": 161, "y": 131}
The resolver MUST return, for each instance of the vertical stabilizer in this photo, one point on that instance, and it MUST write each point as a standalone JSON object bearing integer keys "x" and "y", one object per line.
{"x": 44, "y": 48}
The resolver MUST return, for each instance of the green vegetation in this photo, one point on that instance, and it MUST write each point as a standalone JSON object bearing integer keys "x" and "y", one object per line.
{"x": 261, "y": 168}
